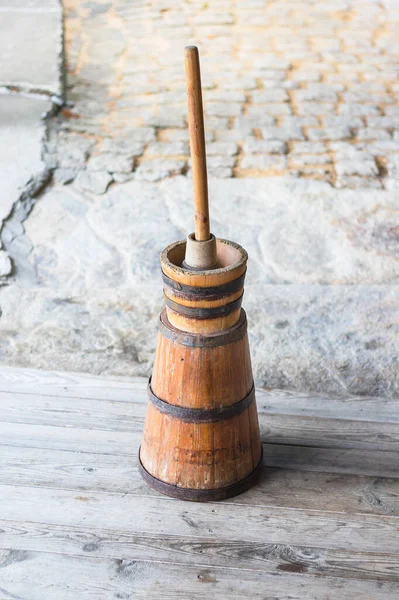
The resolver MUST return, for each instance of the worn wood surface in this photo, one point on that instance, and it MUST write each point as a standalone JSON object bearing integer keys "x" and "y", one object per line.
{"x": 77, "y": 521}
{"x": 208, "y": 455}
{"x": 183, "y": 456}
{"x": 195, "y": 119}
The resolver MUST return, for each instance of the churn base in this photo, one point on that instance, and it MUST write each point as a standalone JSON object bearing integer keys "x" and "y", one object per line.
{"x": 202, "y": 495}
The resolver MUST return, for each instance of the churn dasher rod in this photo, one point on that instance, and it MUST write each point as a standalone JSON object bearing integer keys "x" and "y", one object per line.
{"x": 201, "y": 246}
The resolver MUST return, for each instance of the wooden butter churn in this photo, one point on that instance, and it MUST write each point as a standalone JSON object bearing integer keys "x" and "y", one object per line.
{"x": 201, "y": 436}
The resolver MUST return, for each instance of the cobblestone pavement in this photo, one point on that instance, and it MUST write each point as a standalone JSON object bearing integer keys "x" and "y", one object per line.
{"x": 292, "y": 87}
{"x": 302, "y": 89}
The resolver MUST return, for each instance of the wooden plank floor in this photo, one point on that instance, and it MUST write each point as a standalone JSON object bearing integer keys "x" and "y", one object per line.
{"x": 76, "y": 521}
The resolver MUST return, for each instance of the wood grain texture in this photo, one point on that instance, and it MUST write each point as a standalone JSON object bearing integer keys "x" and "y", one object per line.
{"x": 203, "y": 326}
{"x": 231, "y": 257}
{"x": 77, "y": 521}
{"x": 202, "y": 302}
{"x": 202, "y": 377}
{"x": 329, "y": 433}
{"x": 68, "y": 577}
{"x": 197, "y": 143}
{"x": 85, "y": 386}
{"x": 183, "y": 550}
{"x": 131, "y": 514}
{"x": 206, "y": 455}
{"x": 200, "y": 455}
{"x": 352, "y": 408}
{"x": 180, "y": 452}
{"x": 126, "y": 443}
{"x": 126, "y": 411}
{"x": 288, "y": 487}
{"x": 57, "y": 383}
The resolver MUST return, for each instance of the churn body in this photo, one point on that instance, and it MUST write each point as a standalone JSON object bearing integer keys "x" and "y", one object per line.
{"x": 201, "y": 436}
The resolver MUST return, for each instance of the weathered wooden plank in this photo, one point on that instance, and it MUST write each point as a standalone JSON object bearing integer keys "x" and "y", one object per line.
{"x": 305, "y": 430}
{"x": 48, "y": 576}
{"x": 332, "y": 460}
{"x": 368, "y": 408}
{"x": 277, "y": 487}
{"x": 26, "y": 379}
{"x": 266, "y": 557}
{"x": 126, "y": 389}
{"x": 81, "y": 432}
{"x": 69, "y": 384}
{"x": 73, "y": 412}
{"x": 328, "y": 433}
{"x": 260, "y": 524}
{"x": 69, "y": 439}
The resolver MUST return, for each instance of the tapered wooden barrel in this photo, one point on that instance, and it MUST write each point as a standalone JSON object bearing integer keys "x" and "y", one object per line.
{"x": 201, "y": 436}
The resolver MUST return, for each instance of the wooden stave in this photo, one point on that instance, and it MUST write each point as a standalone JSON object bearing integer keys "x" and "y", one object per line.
{"x": 215, "y": 448}
{"x": 201, "y": 415}
{"x": 220, "y": 457}
{"x": 202, "y": 495}
{"x": 203, "y": 326}
{"x": 226, "y": 367}
{"x": 196, "y": 340}
{"x": 204, "y": 312}
{"x": 216, "y": 463}
{"x": 173, "y": 255}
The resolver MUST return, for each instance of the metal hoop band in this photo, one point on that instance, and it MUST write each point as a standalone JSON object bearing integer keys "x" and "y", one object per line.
{"x": 204, "y": 313}
{"x": 202, "y": 495}
{"x": 193, "y": 340}
{"x": 217, "y": 291}
{"x": 201, "y": 415}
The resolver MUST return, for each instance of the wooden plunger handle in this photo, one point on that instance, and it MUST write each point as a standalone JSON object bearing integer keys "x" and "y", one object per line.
{"x": 197, "y": 143}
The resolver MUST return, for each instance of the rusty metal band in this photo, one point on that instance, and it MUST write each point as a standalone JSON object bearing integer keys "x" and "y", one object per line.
{"x": 201, "y": 415}
{"x": 217, "y": 291}
{"x": 202, "y": 495}
{"x": 194, "y": 340}
{"x": 196, "y": 312}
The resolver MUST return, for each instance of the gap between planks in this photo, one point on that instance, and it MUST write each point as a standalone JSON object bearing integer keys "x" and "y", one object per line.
{"x": 121, "y": 443}
{"x": 107, "y": 473}
{"x": 82, "y": 385}
{"x": 287, "y": 529}
{"x": 127, "y": 513}
{"x": 268, "y": 403}
{"x": 67, "y": 577}
{"x": 198, "y": 552}
{"x": 106, "y": 415}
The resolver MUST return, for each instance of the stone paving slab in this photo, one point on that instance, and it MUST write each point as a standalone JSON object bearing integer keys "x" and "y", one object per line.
{"x": 324, "y": 338}
{"x": 300, "y": 231}
{"x": 23, "y": 171}
{"x": 31, "y": 46}
{"x": 92, "y": 293}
